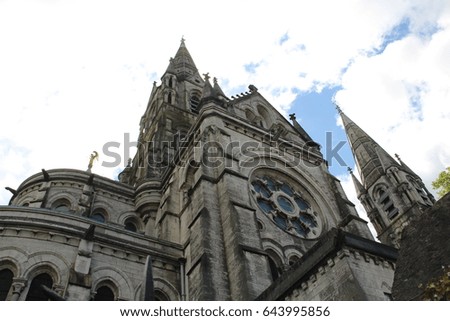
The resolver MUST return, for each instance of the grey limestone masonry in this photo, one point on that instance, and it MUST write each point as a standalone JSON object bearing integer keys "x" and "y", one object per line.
{"x": 229, "y": 200}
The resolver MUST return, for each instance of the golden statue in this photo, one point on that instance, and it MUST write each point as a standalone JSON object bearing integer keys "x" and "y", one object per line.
{"x": 93, "y": 156}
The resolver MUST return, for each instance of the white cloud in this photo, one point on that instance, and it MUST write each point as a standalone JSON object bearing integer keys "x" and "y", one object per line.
{"x": 77, "y": 74}
{"x": 406, "y": 88}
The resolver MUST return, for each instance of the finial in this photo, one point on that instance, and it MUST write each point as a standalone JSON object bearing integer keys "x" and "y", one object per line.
{"x": 339, "y": 110}
{"x": 129, "y": 162}
{"x": 252, "y": 88}
{"x": 215, "y": 80}
{"x": 182, "y": 40}
{"x": 206, "y": 76}
{"x": 398, "y": 157}
{"x": 350, "y": 170}
{"x": 93, "y": 156}
{"x": 292, "y": 116}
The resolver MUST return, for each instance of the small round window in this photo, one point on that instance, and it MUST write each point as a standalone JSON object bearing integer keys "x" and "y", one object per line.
{"x": 284, "y": 204}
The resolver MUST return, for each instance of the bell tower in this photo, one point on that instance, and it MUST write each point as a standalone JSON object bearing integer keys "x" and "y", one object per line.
{"x": 390, "y": 191}
{"x": 170, "y": 113}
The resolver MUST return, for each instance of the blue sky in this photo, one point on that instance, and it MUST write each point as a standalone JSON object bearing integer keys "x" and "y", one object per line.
{"x": 85, "y": 69}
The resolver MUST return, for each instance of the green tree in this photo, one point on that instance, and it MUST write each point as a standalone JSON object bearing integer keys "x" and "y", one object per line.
{"x": 442, "y": 183}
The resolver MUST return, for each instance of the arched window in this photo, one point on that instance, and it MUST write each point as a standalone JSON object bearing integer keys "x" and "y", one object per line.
{"x": 194, "y": 100}
{"x": 265, "y": 118}
{"x": 382, "y": 196}
{"x": 275, "y": 264}
{"x": 170, "y": 82}
{"x": 169, "y": 98}
{"x": 35, "y": 292}
{"x": 98, "y": 217}
{"x": 130, "y": 226}
{"x": 160, "y": 296}
{"x": 251, "y": 117}
{"x": 62, "y": 205}
{"x": 104, "y": 293}
{"x": 293, "y": 259}
{"x": 6, "y": 278}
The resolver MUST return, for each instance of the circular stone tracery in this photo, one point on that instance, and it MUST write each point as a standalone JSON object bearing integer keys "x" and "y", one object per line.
{"x": 285, "y": 205}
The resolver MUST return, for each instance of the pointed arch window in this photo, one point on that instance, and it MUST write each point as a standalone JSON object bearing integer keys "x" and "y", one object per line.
{"x": 35, "y": 292}
{"x": 6, "y": 279}
{"x": 386, "y": 203}
{"x": 194, "y": 100}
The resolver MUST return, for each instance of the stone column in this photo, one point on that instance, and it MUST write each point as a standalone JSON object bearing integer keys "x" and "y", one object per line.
{"x": 18, "y": 286}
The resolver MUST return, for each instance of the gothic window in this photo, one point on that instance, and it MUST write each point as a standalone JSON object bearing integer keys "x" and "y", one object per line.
{"x": 35, "y": 292}
{"x": 194, "y": 100}
{"x": 251, "y": 117}
{"x": 423, "y": 196}
{"x": 284, "y": 204}
{"x": 265, "y": 118}
{"x": 386, "y": 203}
{"x": 169, "y": 98}
{"x": 104, "y": 293}
{"x": 178, "y": 139}
{"x": 6, "y": 278}
{"x": 171, "y": 82}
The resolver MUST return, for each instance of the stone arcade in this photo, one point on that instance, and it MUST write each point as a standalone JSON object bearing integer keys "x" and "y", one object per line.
{"x": 229, "y": 199}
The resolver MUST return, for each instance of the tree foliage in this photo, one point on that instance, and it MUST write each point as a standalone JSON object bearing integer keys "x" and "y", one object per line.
{"x": 438, "y": 289}
{"x": 442, "y": 183}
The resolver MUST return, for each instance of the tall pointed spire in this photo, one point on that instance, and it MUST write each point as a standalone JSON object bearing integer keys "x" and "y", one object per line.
{"x": 385, "y": 159}
{"x": 371, "y": 159}
{"x": 360, "y": 190}
{"x": 182, "y": 64}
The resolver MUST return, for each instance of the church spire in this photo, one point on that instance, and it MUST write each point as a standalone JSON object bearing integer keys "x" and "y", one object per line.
{"x": 371, "y": 159}
{"x": 182, "y": 65}
{"x": 390, "y": 192}
{"x": 360, "y": 190}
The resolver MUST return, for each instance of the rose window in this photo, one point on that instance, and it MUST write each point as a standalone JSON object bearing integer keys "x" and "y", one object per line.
{"x": 286, "y": 207}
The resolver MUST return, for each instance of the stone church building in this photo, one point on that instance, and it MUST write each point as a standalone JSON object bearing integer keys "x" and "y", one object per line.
{"x": 225, "y": 199}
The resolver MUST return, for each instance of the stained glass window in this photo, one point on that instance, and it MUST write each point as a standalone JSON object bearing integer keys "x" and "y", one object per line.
{"x": 285, "y": 205}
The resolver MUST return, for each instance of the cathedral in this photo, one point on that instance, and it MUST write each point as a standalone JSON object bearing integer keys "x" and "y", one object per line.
{"x": 225, "y": 199}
